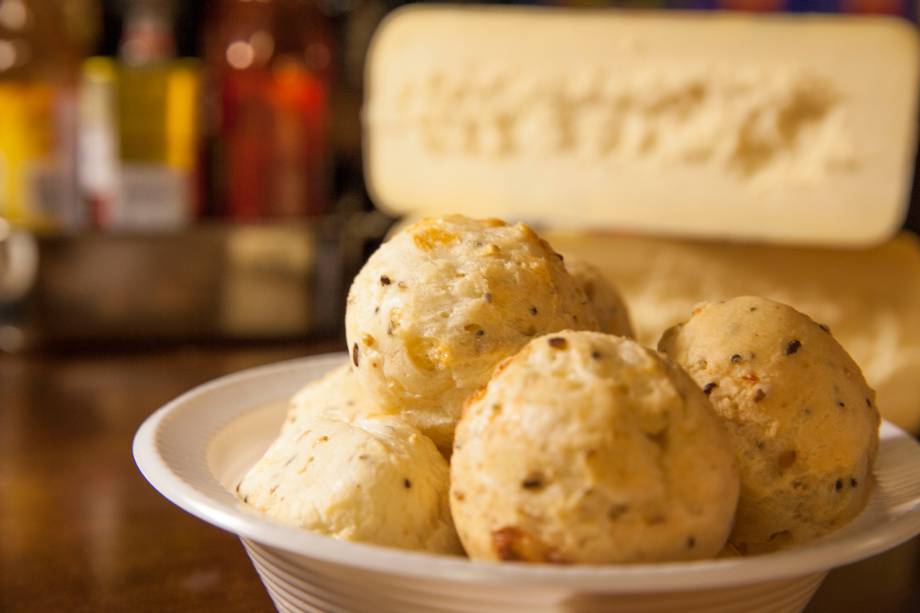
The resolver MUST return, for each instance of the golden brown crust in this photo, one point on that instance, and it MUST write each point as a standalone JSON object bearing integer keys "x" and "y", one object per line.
{"x": 802, "y": 419}
{"x": 443, "y": 302}
{"x": 588, "y": 448}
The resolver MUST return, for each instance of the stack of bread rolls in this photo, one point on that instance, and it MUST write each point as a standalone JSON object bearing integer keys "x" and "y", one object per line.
{"x": 494, "y": 402}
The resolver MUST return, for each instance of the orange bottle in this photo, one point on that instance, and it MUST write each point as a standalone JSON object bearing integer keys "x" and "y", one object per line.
{"x": 268, "y": 86}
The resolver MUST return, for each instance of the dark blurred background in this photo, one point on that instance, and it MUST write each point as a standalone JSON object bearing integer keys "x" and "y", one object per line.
{"x": 174, "y": 170}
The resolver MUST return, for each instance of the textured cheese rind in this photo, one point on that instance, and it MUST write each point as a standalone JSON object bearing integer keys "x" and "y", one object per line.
{"x": 795, "y": 129}
{"x": 869, "y": 298}
{"x": 800, "y": 415}
{"x": 589, "y": 448}
{"x": 372, "y": 479}
{"x": 441, "y": 303}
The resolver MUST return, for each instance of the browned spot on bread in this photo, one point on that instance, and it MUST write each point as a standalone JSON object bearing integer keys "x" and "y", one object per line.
{"x": 786, "y": 459}
{"x": 431, "y": 237}
{"x": 533, "y": 481}
{"x": 511, "y": 543}
{"x": 506, "y": 543}
{"x": 616, "y": 511}
{"x": 557, "y": 342}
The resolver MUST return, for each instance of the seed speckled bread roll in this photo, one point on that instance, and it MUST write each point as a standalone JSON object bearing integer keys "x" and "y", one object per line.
{"x": 442, "y": 302}
{"x": 372, "y": 479}
{"x": 337, "y": 395}
{"x": 609, "y": 308}
{"x": 801, "y": 416}
{"x": 589, "y": 448}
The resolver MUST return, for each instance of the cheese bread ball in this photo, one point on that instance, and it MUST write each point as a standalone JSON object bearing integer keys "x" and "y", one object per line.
{"x": 440, "y": 304}
{"x": 606, "y": 301}
{"x": 589, "y": 448}
{"x": 801, "y": 417}
{"x": 372, "y": 479}
{"x": 337, "y": 395}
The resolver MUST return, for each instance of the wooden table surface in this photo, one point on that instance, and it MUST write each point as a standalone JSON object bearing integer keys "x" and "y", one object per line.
{"x": 80, "y": 529}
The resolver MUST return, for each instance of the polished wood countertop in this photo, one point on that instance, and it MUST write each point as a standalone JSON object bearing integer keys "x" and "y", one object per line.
{"x": 80, "y": 529}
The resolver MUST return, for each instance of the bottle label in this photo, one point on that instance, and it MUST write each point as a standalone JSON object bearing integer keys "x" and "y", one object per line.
{"x": 45, "y": 189}
{"x": 152, "y": 197}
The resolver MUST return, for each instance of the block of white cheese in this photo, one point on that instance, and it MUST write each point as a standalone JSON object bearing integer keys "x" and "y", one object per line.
{"x": 792, "y": 129}
{"x": 869, "y": 298}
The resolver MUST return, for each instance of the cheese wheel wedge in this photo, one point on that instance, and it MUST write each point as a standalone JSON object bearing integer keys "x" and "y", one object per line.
{"x": 790, "y": 129}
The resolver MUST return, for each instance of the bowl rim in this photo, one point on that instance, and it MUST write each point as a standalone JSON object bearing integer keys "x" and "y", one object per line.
{"x": 817, "y": 557}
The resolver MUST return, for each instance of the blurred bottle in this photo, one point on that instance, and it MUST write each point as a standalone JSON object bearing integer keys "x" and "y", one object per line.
{"x": 39, "y": 62}
{"x": 98, "y": 139}
{"x": 141, "y": 174}
{"x": 268, "y": 65}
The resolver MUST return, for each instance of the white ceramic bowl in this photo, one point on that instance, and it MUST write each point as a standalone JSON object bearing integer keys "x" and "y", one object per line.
{"x": 196, "y": 448}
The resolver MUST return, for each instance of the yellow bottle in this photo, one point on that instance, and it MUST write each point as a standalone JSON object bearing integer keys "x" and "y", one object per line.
{"x": 157, "y": 124}
{"x": 38, "y": 68}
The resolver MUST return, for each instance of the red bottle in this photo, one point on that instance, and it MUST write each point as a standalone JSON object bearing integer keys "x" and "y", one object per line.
{"x": 268, "y": 71}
